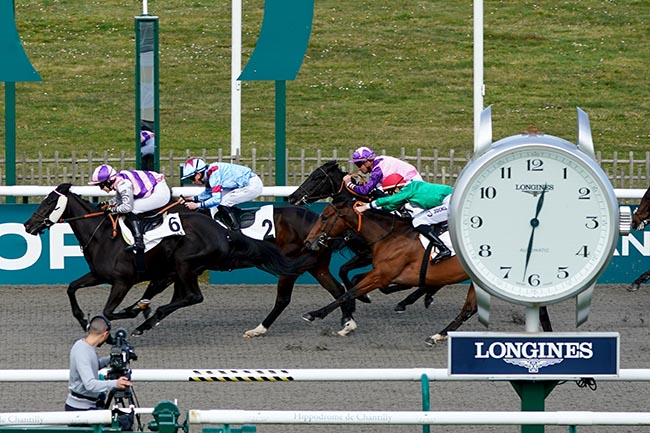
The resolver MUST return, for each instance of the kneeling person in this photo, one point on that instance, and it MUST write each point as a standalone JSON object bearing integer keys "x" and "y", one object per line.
{"x": 426, "y": 202}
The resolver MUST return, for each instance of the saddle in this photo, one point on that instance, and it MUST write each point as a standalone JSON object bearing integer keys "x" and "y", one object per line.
{"x": 245, "y": 217}
{"x": 150, "y": 222}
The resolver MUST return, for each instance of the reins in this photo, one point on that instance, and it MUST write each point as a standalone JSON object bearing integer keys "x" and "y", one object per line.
{"x": 360, "y": 222}
{"x": 113, "y": 218}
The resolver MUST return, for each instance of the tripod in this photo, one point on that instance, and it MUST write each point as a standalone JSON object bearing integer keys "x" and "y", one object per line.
{"x": 125, "y": 398}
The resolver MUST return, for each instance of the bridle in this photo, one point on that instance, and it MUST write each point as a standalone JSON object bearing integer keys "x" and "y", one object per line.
{"x": 306, "y": 198}
{"x": 644, "y": 221}
{"x": 325, "y": 237}
{"x": 55, "y": 216}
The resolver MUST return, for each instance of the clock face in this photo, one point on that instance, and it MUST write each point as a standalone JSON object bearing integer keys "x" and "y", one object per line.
{"x": 534, "y": 223}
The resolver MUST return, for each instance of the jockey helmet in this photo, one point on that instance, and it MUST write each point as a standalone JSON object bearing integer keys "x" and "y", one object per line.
{"x": 102, "y": 174}
{"x": 363, "y": 154}
{"x": 193, "y": 166}
{"x": 394, "y": 180}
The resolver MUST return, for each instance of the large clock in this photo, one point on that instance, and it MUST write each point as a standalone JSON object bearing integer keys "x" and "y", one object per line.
{"x": 534, "y": 219}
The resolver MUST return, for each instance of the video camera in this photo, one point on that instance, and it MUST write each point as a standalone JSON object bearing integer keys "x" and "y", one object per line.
{"x": 120, "y": 356}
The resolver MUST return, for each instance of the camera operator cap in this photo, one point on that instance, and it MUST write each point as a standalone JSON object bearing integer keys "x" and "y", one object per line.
{"x": 99, "y": 317}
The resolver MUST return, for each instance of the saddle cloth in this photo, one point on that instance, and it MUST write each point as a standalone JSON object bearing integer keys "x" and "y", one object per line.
{"x": 256, "y": 224}
{"x": 443, "y": 237}
{"x": 171, "y": 226}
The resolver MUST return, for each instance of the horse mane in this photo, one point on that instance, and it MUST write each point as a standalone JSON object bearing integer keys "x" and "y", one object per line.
{"x": 66, "y": 189}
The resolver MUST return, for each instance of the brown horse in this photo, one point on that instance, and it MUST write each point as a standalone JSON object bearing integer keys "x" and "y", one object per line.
{"x": 398, "y": 257}
{"x": 640, "y": 219}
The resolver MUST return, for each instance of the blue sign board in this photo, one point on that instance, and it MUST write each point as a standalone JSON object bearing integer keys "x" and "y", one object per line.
{"x": 54, "y": 257}
{"x": 532, "y": 355}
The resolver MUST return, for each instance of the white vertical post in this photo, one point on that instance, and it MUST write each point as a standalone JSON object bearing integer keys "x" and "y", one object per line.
{"x": 532, "y": 318}
{"x": 145, "y": 7}
{"x": 479, "y": 88}
{"x": 235, "y": 84}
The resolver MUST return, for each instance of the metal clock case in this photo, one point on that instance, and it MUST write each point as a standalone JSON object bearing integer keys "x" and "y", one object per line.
{"x": 534, "y": 220}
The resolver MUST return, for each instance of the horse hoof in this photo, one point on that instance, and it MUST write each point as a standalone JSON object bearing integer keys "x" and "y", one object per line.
{"x": 399, "y": 308}
{"x": 308, "y": 317}
{"x": 365, "y": 299}
{"x": 633, "y": 287}
{"x": 434, "y": 339}
{"x": 350, "y": 326}
{"x": 137, "y": 332}
{"x": 257, "y": 332}
{"x": 428, "y": 300}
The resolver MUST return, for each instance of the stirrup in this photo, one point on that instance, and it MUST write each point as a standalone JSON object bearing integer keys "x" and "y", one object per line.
{"x": 441, "y": 256}
{"x": 135, "y": 247}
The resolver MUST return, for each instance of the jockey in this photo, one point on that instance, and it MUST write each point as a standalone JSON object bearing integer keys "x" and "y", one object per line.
{"x": 225, "y": 184}
{"x": 137, "y": 191}
{"x": 426, "y": 202}
{"x": 378, "y": 167}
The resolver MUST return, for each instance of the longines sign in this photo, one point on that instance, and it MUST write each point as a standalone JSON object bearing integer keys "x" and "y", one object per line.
{"x": 531, "y": 355}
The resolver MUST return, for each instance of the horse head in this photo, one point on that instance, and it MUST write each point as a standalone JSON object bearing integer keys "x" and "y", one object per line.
{"x": 55, "y": 207}
{"x": 641, "y": 215}
{"x": 336, "y": 221}
{"x": 323, "y": 182}
{"x": 50, "y": 211}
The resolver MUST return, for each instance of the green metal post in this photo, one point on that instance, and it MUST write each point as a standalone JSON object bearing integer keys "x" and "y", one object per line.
{"x": 165, "y": 415}
{"x": 10, "y": 136}
{"x": 15, "y": 67}
{"x": 140, "y": 21}
{"x": 280, "y": 132}
{"x": 426, "y": 401}
{"x": 138, "y": 96}
{"x": 532, "y": 395}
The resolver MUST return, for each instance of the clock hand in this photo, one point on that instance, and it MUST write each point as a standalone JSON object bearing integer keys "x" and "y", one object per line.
{"x": 534, "y": 223}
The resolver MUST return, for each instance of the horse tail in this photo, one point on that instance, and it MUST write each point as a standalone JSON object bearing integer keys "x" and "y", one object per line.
{"x": 267, "y": 256}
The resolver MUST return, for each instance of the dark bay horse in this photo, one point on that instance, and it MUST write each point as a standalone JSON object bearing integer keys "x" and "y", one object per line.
{"x": 327, "y": 182}
{"x": 397, "y": 256}
{"x": 640, "y": 219}
{"x": 206, "y": 245}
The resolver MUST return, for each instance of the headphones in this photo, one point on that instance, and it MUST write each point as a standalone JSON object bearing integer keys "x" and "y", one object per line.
{"x": 101, "y": 317}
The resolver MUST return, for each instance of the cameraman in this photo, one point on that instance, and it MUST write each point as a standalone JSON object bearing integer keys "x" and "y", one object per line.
{"x": 86, "y": 391}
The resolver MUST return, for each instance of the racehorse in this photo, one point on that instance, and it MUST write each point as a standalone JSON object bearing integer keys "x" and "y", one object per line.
{"x": 398, "y": 257}
{"x": 206, "y": 245}
{"x": 327, "y": 182}
{"x": 640, "y": 219}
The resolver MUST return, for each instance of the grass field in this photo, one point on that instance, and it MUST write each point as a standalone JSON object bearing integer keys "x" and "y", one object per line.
{"x": 380, "y": 73}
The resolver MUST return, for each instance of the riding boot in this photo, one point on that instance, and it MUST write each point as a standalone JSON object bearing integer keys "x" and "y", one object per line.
{"x": 138, "y": 241}
{"x": 443, "y": 251}
{"x": 229, "y": 217}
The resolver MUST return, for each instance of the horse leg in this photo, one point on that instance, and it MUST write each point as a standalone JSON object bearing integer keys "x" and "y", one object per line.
{"x": 325, "y": 278}
{"x": 283, "y": 292}
{"x": 186, "y": 292}
{"x": 115, "y": 297}
{"x": 143, "y": 305}
{"x": 414, "y": 296}
{"x": 370, "y": 282}
{"x": 545, "y": 319}
{"x": 636, "y": 284}
{"x": 87, "y": 280}
{"x": 468, "y": 310}
{"x": 355, "y": 262}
